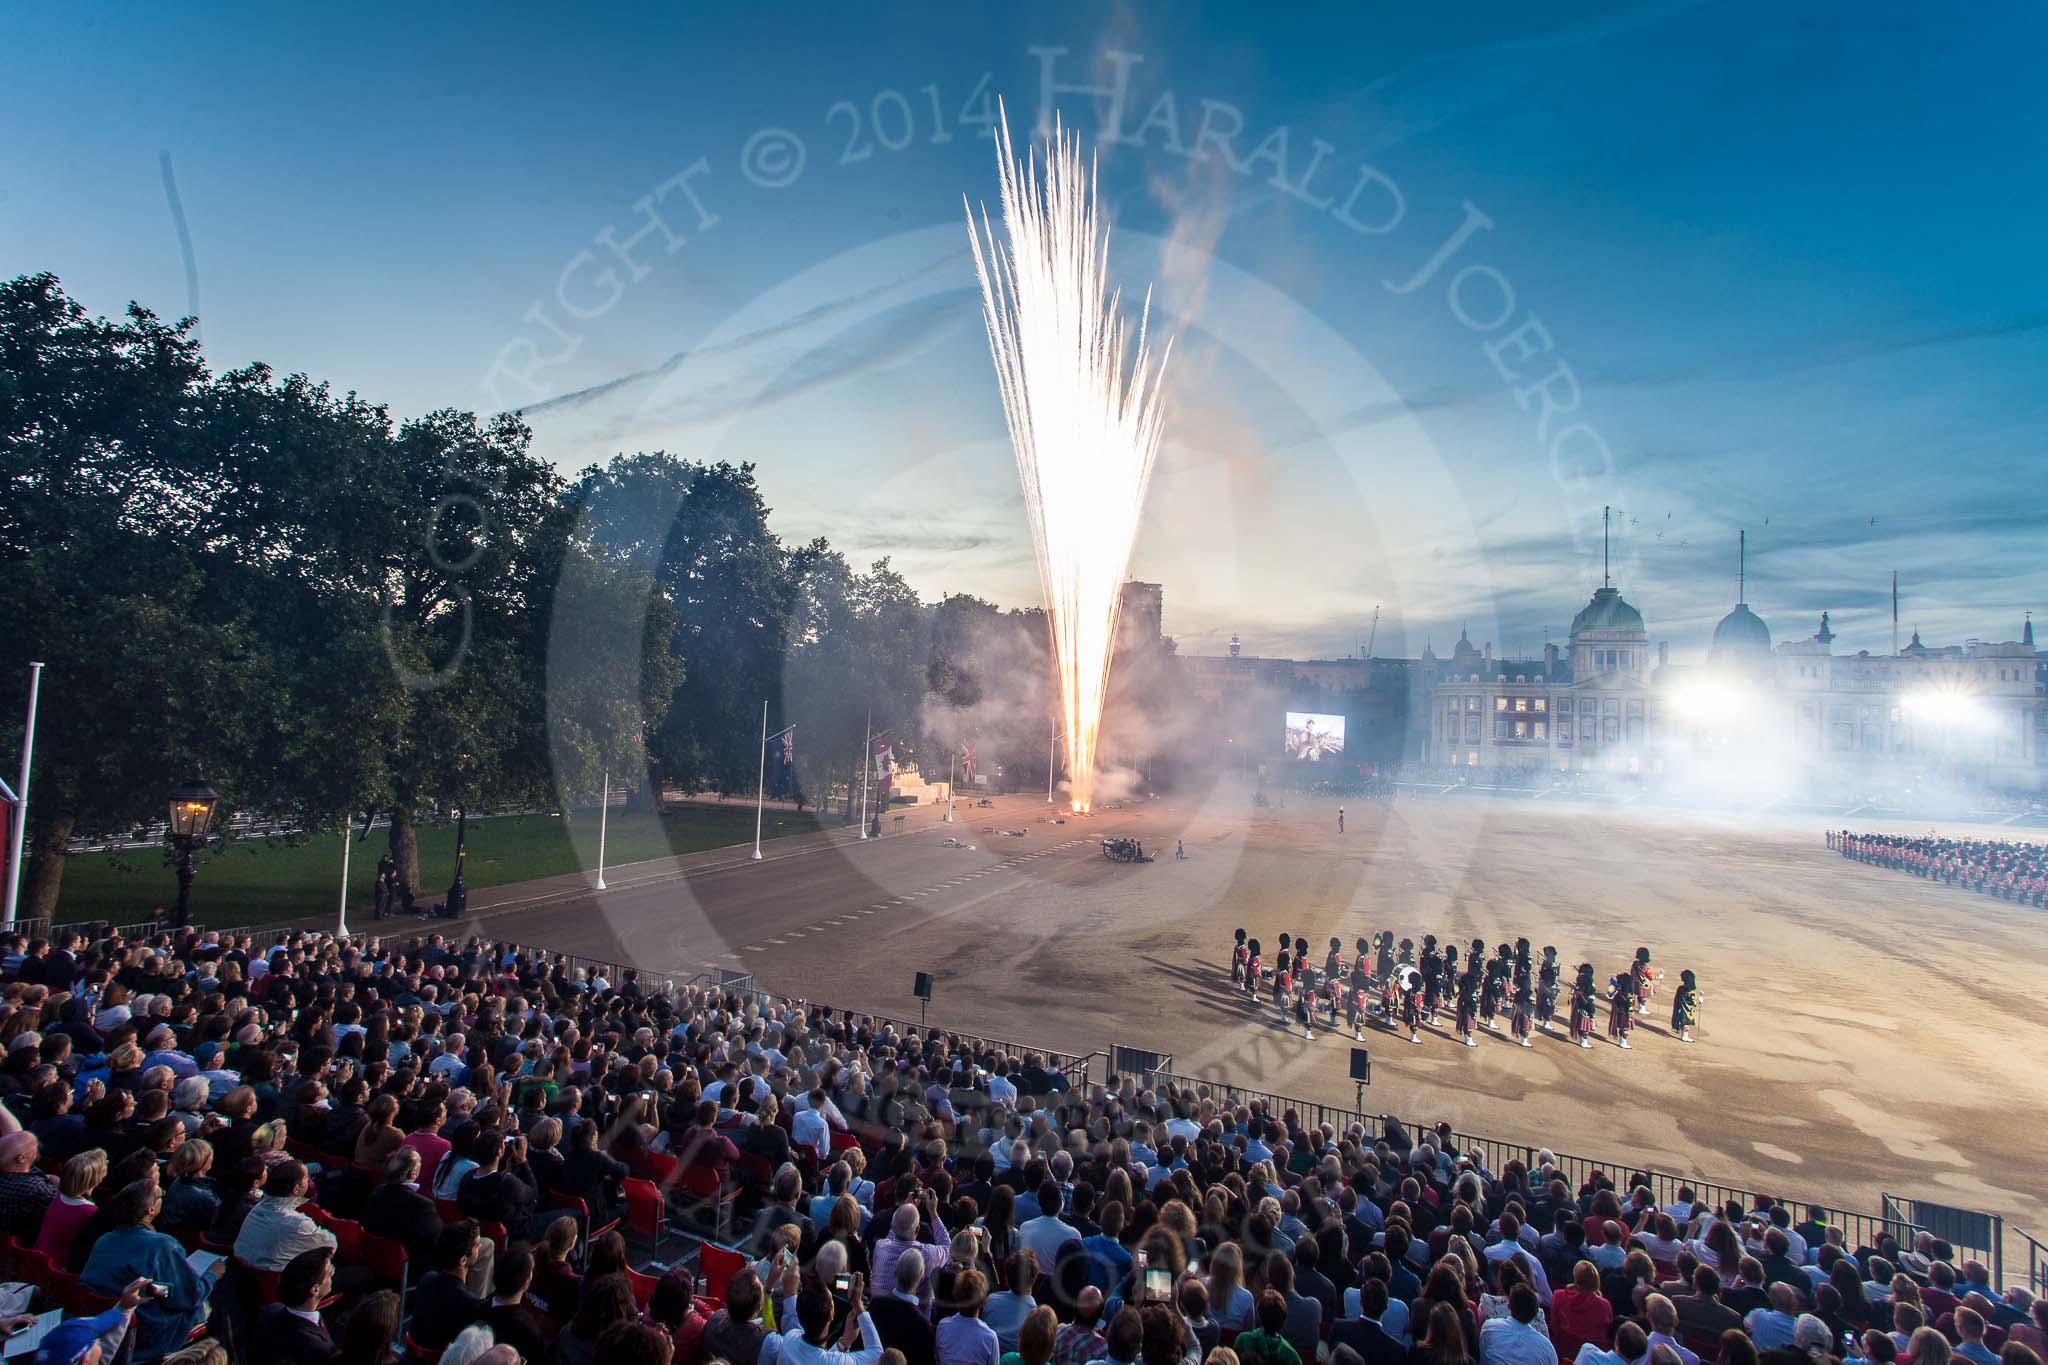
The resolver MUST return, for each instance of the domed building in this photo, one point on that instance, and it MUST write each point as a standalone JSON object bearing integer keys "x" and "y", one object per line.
{"x": 1608, "y": 637}
{"x": 1741, "y": 641}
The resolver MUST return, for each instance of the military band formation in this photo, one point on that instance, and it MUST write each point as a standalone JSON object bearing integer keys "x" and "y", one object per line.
{"x": 1392, "y": 986}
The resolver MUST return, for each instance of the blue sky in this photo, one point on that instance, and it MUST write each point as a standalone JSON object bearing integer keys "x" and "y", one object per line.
{"x": 1788, "y": 256}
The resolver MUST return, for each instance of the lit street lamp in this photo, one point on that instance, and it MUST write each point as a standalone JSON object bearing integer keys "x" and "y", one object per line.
{"x": 192, "y": 807}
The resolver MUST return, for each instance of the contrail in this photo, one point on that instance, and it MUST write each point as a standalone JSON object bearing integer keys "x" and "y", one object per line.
{"x": 163, "y": 161}
{"x": 1084, "y": 427}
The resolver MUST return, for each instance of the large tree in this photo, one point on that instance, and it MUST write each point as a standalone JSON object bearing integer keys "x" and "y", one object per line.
{"x": 701, "y": 532}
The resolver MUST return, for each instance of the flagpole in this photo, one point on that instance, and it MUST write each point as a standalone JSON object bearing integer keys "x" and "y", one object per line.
{"x": 20, "y": 821}
{"x": 604, "y": 810}
{"x": 341, "y": 914}
{"x": 1051, "y": 744}
{"x": 761, "y": 781}
{"x": 953, "y": 768}
{"x": 867, "y": 757}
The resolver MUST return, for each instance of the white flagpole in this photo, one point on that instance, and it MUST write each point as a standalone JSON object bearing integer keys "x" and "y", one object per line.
{"x": 604, "y": 810}
{"x": 761, "y": 782}
{"x": 951, "y": 769}
{"x": 867, "y": 758}
{"x": 341, "y": 914}
{"x": 1052, "y": 742}
{"x": 28, "y": 748}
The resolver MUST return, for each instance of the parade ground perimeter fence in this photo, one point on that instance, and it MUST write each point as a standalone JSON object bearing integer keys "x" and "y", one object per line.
{"x": 1975, "y": 1234}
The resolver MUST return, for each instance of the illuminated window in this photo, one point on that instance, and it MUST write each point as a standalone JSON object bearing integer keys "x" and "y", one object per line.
{"x": 1500, "y": 703}
{"x": 1539, "y": 729}
{"x": 1542, "y": 704}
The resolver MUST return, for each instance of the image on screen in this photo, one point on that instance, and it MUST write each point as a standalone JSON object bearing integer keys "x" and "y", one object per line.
{"x": 1312, "y": 737}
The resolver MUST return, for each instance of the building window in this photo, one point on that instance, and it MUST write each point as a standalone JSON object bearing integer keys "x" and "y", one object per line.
{"x": 1564, "y": 729}
{"x": 1537, "y": 729}
{"x": 1541, "y": 704}
{"x": 1500, "y": 729}
{"x": 1586, "y": 708}
{"x": 1610, "y": 732}
{"x": 1471, "y": 729}
{"x": 1500, "y": 703}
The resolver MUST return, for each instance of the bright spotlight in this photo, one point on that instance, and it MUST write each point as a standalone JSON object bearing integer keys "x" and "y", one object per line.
{"x": 1955, "y": 710}
{"x": 1709, "y": 703}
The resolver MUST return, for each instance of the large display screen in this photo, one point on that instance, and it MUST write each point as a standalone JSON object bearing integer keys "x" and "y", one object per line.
{"x": 1312, "y": 737}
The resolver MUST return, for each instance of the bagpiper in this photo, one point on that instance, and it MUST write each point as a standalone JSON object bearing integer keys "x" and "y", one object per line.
{"x": 1468, "y": 1002}
{"x": 1645, "y": 979}
{"x": 1546, "y": 989}
{"x": 1333, "y": 963}
{"x": 1301, "y": 1014}
{"x": 1449, "y": 979}
{"x": 1583, "y": 1007}
{"x": 1621, "y": 1014}
{"x": 1355, "y": 1007}
{"x": 1240, "y": 956}
{"x": 1521, "y": 957}
{"x": 1407, "y": 952}
{"x": 1525, "y": 1011}
{"x": 1383, "y": 951}
{"x": 1252, "y": 968}
{"x": 1432, "y": 965}
{"x": 1489, "y": 994}
{"x": 1685, "y": 1006}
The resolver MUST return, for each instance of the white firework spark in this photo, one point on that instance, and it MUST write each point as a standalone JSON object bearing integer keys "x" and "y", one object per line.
{"x": 1083, "y": 410}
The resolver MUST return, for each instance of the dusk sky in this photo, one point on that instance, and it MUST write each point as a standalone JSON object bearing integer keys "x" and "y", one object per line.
{"x": 1443, "y": 281}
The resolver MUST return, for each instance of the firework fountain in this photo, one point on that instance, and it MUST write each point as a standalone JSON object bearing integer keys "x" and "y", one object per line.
{"x": 1084, "y": 415}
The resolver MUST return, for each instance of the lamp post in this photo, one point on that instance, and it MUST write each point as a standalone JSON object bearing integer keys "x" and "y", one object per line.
{"x": 458, "y": 894}
{"x": 192, "y": 807}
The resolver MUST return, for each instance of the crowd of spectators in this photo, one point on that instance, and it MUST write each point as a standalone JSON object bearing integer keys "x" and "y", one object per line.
{"x": 2014, "y": 870}
{"x": 873, "y": 1194}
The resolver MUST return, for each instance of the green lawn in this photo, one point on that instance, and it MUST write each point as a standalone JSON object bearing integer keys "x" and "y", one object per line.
{"x": 253, "y": 881}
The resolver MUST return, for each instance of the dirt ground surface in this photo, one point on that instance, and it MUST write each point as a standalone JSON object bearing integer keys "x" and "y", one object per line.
{"x": 1863, "y": 1030}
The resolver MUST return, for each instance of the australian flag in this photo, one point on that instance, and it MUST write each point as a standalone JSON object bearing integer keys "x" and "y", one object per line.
{"x": 782, "y": 763}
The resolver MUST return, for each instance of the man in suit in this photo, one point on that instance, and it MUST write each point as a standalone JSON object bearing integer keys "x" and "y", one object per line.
{"x": 397, "y": 1210}
{"x": 442, "y": 1304}
{"x": 290, "y": 1332}
{"x": 899, "y": 1316}
{"x": 1364, "y": 1333}
{"x": 511, "y": 1322}
{"x": 1701, "y": 1313}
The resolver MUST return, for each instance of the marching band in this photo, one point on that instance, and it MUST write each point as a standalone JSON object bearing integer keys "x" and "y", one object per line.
{"x": 1388, "y": 985}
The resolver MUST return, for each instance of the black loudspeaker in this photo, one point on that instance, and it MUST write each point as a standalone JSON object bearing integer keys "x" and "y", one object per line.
{"x": 923, "y": 989}
{"x": 1361, "y": 1066}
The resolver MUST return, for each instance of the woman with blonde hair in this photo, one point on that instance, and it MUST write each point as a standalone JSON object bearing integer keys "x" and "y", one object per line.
{"x": 267, "y": 1144}
{"x": 191, "y": 1201}
{"x": 67, "y": 1213}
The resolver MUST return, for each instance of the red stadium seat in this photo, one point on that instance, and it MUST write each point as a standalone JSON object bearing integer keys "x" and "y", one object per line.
{"x": 646, "y": 1213}
{"x": 709, "y": 1202}
{"x": 716, "y": 1265}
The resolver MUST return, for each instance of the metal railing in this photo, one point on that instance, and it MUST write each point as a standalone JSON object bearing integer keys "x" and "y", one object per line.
{"x": 2037, "y": 1263}
{"x": 1978, "y": 1236}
